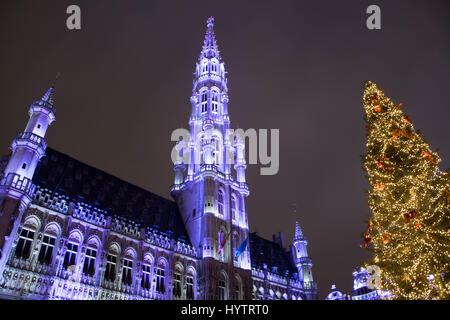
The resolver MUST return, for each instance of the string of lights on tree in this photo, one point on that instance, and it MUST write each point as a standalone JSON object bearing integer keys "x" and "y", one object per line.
{"x": 409, "y": 227}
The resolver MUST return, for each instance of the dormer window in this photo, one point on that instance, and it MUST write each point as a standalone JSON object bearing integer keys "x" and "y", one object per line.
{"x": 24, "y": 165}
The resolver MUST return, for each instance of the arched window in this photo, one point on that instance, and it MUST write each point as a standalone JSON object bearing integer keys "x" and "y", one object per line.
{"x": 111, "y": 262}
{"x": 46, "y": 251}
{"x": 204, "y": 102}
{"x": 234, "y": 209}
{"x": 177, "y": 282}
{"x": 220, "y": 202}
{"x": 127, "y": 268}
{"x": 24, "y": 244}
{"x": 70, "y": 258}
{"x": 190, "y": 285}
{"x": 238, "y": 288}
{"x": 160, "y": 277}
{"x": 89, "y": 259}
{"x": 222, "y": 288}
{"x": 215, "y": 102}
{"x": 147, "y": 272}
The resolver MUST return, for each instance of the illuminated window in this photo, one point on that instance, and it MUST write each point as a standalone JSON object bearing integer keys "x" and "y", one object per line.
{"x": 45, "y": 254}
{"x": 220, "y": 202}
{"x": 177, "y": 285}
{"x": 204, "y": 102}
{"x": 233, "y": 207}
{"x": 89, "y": 262}
{"x": 160, "y": 287}
{"x": 189, "y": 287}
{"x": 127, "y": 271}
{"x": 214, "y": 104}
{"x": 146, "y": 273}
{"x": 110, "y": 270}
{"x": 71, "y": 255}
{"x": 221, "y": 289}
{"x": 23, "y": 246}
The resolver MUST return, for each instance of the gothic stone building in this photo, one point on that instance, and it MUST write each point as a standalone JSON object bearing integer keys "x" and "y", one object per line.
{"x": 71, "y": 231}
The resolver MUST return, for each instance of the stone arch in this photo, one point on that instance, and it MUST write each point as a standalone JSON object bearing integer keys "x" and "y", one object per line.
{"x": 53, "y": 228}
{"x": 94, "y": 241}
{"x": 223, "y": 276}
{"x": 178, "y": 267}
{"x": 191, "y": 270}
{"x": 75, "y": 235}
{"x": 32, "y": 222}
{"x": 162, "y": 262}
{"x": 148, "y": 258}
{"x": 130, "y": 252}
{"x": 238, "y": 287}
{"x": 114, "y": 248}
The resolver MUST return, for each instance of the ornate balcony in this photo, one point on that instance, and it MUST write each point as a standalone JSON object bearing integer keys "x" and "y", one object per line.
{"x": 17, "y": 182}
{"x": 29, "y": 137}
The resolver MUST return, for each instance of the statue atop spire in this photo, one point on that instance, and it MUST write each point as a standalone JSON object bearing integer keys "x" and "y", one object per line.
{"x": 210, "y": 22}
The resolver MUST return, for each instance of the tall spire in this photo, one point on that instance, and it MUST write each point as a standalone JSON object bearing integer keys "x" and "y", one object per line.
{"x": 210, "y": 48}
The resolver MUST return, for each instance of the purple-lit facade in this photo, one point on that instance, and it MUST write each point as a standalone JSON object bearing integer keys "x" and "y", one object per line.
{"x": 71, "y": 231}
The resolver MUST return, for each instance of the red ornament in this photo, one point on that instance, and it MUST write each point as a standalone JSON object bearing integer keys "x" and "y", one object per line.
{"x": 374, "y": 98}
{"x": 429, "y": 156}
{"x": 367, "y": 239}
{"x": 410, "y": 215}
{"x": 385, "y": 238}
{"x": 377, "y": 108}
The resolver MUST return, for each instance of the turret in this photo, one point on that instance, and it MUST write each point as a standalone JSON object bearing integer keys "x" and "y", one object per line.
{"x": 16, "y": 187}
{"x": 301, "y": 258}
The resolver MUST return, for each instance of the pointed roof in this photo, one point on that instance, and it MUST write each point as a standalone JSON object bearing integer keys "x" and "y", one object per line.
{"x": 210, "y": 48}
{"x": 49, "y": 96}
{"x": 298, "y": 231}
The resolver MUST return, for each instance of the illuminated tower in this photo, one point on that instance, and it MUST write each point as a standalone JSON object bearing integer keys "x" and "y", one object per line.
{"x": 211, "y": 195}
{"x": 16, "y": 187}
{"x": 303, "y": 262}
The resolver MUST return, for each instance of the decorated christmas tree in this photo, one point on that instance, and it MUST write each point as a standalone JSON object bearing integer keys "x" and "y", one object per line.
{"x": 409, "y": 226}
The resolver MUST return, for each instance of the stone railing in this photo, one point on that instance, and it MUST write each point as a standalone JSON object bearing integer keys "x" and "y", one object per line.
{"x": 90, "y": 214}
{"x": 28, "y": 284}
{"x": 18, "y": 182}
{"x": 46, "y": 198}
{"x": 153, "y": 237}
{"x": 126, "y": 226}
{"x": 31, "y": 137}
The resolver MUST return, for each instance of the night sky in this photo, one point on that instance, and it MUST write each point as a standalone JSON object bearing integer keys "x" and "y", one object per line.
{"x": 299, "y": 66}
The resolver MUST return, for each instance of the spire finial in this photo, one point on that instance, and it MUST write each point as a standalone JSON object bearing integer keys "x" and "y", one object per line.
{"x": 210, "y": 22}
{"x": 56, "y": 79}
{"x": 298, "y": 230}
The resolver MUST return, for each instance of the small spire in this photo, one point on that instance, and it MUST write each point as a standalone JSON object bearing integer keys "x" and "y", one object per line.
{"x": 298, "y": 230}
{"x": 49, "y": 96}
{"x": 210, "y": 48}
